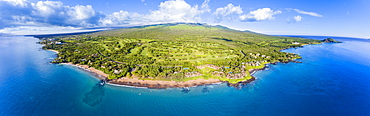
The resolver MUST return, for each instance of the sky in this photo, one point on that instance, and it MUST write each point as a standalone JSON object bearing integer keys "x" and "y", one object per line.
{"x": 348, "y": 18}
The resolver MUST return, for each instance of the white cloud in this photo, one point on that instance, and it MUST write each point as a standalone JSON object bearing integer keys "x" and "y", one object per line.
{"x": 56, "y": 12}
{"x": 23, "y": 13}
{"x": 115, "y": 18}
{"x": 22, "y": 20}
{"x": 38, "y": 30}
{"x": 80, "y": 12}
{"x": 168, "y": 11}
{"x": 227, "y": 12}
{"x": 205, "y": 6}
{"x": 144, "y": 2}
{"x": 308, "y": 13}
{"x": 259, "y": 15}
{"x": 18, "y": 14}
{"x": 46, "y": 8}
{"x": 35, "y": 29}
{"x": 21, "y": 3}
{"x": 177, "y": 10}
{"x": 297, "y": 18}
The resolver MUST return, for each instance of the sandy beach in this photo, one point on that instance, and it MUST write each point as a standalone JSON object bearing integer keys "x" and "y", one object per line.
{"x": 100, "y": 74}
{"x": 155, "y": 84}
{"x": 145, "y": 83}
{"x": 52, "y": 50}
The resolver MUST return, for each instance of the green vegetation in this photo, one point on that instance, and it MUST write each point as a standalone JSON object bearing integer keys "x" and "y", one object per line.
{"x": 178, "y": 52}
{"x": 330, "y": 40}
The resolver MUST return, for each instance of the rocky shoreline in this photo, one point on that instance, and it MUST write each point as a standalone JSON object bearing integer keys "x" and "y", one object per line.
{"x": 157, "y": 84}
{"x": 153, "y": 84}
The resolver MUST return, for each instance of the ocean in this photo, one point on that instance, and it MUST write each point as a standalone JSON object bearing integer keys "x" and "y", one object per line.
{"x": 334, "y": 79}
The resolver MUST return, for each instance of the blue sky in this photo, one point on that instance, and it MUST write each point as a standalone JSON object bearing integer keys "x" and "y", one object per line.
{"x": 276, "y": 17}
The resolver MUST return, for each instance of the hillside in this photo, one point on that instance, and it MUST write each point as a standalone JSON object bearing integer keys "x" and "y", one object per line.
{"x": 177, "y": 52}
{"x": 330, "y": 40}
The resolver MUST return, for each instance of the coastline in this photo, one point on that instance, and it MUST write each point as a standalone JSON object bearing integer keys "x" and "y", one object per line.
{"x": 98, "y": 73}
{"x": 52, "y": 50}
{"x": 156, "y": 84}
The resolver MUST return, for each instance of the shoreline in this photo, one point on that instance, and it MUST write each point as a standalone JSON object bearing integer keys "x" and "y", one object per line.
{"x": 160, "y": 84}
{"x": 152, "y": 84}
{"x": 97, "y": 73}
{"x": 157, "y": 84}
{"x": 52, "y": 50}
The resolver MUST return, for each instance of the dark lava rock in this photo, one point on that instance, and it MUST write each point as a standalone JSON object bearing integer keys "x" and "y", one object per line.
{"x": 330, "y": 40}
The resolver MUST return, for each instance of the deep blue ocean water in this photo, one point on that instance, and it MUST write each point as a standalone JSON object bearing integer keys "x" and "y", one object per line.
{"x": 334, "y": 79}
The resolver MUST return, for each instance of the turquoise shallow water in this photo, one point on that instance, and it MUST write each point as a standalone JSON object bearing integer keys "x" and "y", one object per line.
{"x": 334, "y": 79}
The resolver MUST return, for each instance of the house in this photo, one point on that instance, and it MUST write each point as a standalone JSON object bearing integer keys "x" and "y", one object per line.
{"x": 193, "y": 74}
{"x": 117, "y": 71}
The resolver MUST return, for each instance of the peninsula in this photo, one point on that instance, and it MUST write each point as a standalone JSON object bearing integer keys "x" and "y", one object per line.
{"x": 174, "y": 55}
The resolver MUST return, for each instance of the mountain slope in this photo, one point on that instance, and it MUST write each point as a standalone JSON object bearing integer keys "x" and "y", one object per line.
{"x": 177, "y": 52}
